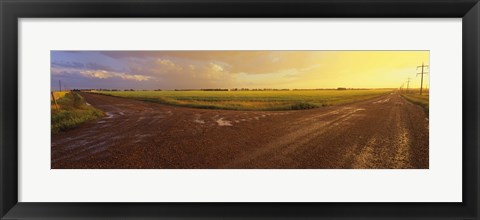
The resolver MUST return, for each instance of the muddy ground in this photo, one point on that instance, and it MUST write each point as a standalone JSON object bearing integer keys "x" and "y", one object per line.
{"x": 385, "y": 132}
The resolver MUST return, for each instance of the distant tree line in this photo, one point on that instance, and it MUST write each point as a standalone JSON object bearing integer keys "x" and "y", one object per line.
{"x": 258, "y": 89}
{"x": 233, "y": 89}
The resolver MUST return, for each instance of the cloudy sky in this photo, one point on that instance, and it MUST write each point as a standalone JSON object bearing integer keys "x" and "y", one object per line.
{"x": 235, "y": 69}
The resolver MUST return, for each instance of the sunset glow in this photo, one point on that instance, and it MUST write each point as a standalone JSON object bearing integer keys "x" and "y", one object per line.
{"x": 236, "y": 69}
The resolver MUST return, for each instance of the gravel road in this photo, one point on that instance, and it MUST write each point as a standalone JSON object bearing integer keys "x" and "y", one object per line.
{"x": 387, "y": 132}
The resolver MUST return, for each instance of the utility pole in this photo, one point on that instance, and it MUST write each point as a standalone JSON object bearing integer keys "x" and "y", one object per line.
{"x": 423, "y": 66}
{"x": 408, "y": 84}
{"x": 54, "y": 100}
{"x": 60, "y": 85}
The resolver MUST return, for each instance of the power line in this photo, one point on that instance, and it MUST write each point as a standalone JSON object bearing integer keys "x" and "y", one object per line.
{"x": 408, "y": 84}
{"x": 423, "y": 66}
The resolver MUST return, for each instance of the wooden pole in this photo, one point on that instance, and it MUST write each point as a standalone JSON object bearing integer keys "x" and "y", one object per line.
{"x": 422, "y": 73}
{"x": 54, "y": 100}
{"x": 408, "y": 84}
{"x": 421, "y": 82}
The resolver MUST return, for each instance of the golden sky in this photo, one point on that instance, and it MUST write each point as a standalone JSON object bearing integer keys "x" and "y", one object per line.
{"x": 237, "y": 69}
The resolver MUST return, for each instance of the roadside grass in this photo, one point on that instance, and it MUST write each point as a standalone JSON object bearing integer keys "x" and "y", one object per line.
{"x": 422, "y": 100}
{"x": 251, "y": 100}
{"x": 73, "y": 111}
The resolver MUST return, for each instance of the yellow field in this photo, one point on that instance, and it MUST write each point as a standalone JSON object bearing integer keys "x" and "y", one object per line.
{"x": 251, "y": 100}
{"x": 58, "y": 94}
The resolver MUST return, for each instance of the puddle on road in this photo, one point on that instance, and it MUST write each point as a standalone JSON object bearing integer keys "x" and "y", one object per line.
{"x": 222, "y": 122}
{"x": 140, "y": 137}
{"x": 199, "y": 121}
{"x": 141, "y": 118}
{"x": 109, "y": 115}
{"x": 349, "y": 109}
{"x": 382, "y": 101}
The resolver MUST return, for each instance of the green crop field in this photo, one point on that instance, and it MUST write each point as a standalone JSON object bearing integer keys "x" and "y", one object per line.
{"x": 251, "y": 100}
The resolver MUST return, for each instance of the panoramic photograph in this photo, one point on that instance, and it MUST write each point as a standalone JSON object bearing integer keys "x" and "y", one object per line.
{"x": 239, "y": 109}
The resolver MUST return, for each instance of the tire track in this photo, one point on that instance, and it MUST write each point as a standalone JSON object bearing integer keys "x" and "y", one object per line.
{"x": 384, "y": 132}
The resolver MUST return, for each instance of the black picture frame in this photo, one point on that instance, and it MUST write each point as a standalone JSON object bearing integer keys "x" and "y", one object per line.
{"x": 12, "y": 10}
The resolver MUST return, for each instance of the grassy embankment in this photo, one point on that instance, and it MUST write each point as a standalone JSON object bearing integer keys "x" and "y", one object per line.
{"x": 72, "y": 111}
{"x": 251, "y": 100}
{"x": 418, "y": 99}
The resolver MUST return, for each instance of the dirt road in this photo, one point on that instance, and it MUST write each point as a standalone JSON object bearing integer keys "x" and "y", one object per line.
{"x": 385, "y": 132}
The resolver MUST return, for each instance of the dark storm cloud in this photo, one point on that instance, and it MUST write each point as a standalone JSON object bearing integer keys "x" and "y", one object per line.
{"x": 96, "y": 66}
{"x": 63, "y": 64}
